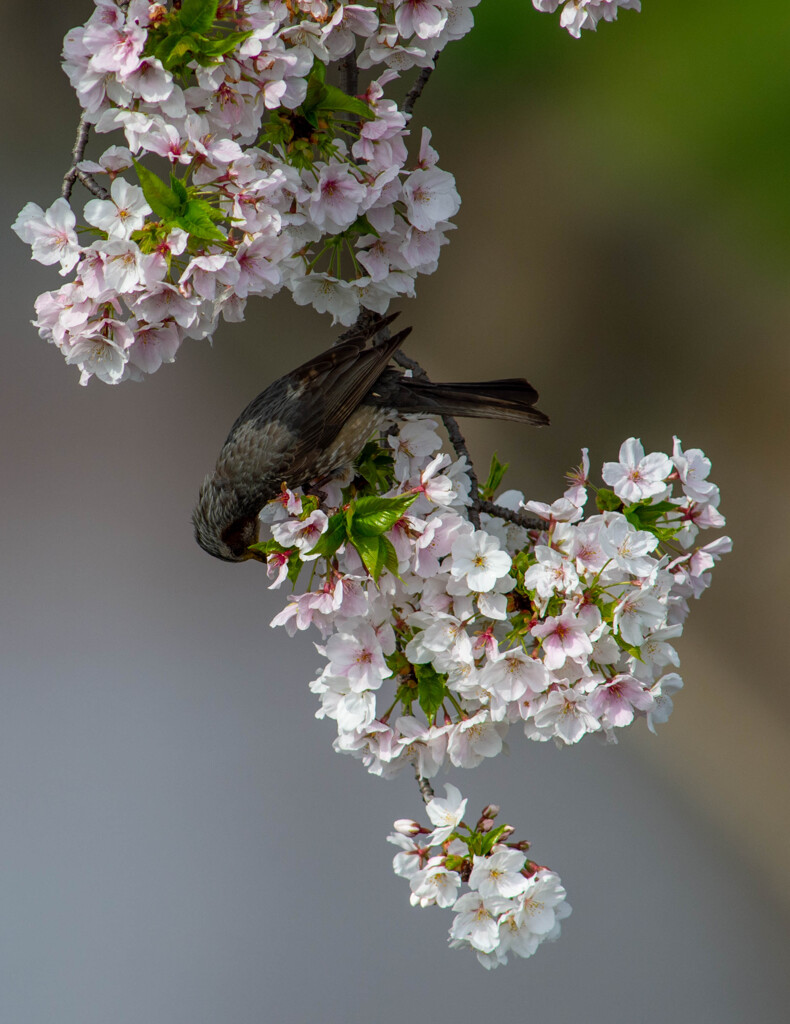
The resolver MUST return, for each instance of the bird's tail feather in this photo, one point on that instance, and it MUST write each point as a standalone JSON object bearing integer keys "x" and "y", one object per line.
{"x": 508, "y": 399}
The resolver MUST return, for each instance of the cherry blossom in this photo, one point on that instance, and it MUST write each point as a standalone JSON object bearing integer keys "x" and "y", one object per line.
{"x": 51, "y": 234}
{"x": 478, "y": 561}
{"x": 637, "y": 476}
{"x": 446, "y": 813}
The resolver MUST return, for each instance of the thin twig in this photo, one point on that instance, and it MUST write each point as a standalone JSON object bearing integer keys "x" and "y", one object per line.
{"x": 74, "y": 173}
{"x": 349, "y": 74}
{"x": 517, "y": 518}
{"x": 458, "y": 442}
{"x": 416, "y": 90}
{"x": 426, "y": 789}
{"x": 77, "y": 153}
{"x": 408, "y": 363}
{"x": 92, "y": 185}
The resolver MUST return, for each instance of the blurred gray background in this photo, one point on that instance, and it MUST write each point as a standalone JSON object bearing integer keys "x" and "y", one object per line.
{"x": 178, "y": 843}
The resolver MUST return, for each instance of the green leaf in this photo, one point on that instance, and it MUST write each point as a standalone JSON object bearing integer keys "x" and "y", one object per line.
{"x": 375, "y": 466}
{"x": 373, "y": 552}
{"x": 607, "y": 609}
{"x": 316, "y": 90}
{"x": 149, "y": 236}
{"x": 162, "y": 200}
{"x": 182, "y": 37}
{"x": 635, "y": 652}
{"x": 267, "y": 547}
{"x": 214, "y": 213}
{"x": 178, "y": 188}
{"x": 184, "y": 48}
{"x": 309, "y": 504}
{"x": 198, "y": 222}
{"x": 335, "y": 99}
{"x": 377, "y": 554}
{"x": 495, "y": 474}
{"x": 311, "y": 117}
{"x": 165, "y": 46}
{"x": 406, "y": 695}
{"x": 371, "y": 516}
{"x": 644, "y": 516}
{"x": 431, "y": 689}
{"x": 362, "y": 226}
{"x": 219, "y": 47}
{"x": 331, "y": 539}
{"x": 489, "y": 838}
{"x": 197, "y": 15}
{"x": 319, "y": 71}
{"x": 607, "y": 501}
{"x": 294, "y": 568}
{"x": 278, "y": 130}
{"x": 390, "y": 556}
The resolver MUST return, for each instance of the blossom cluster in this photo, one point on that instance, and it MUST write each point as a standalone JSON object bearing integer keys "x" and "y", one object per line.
{"x": 585, "y": 14}
{"x": 510, "y": 904}
{"x": 437, "y": 637}
{"x": 270, "y": 177}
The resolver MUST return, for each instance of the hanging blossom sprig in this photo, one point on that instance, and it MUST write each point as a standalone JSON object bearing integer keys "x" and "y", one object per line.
{"x": 504, "y": 904}
{"x": 259, "y": 175}
{"x": 438, "y": 637}
{"x": 577, "y": 15}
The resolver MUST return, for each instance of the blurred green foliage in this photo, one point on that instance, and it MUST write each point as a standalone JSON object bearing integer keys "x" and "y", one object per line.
{"x": 697, "y": 90}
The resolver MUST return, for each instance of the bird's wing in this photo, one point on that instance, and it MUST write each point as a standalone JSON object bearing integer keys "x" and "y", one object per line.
{"x": 299, "y": 415}
{"x": 329, "y": 390}
{"x": 350, "y": 377}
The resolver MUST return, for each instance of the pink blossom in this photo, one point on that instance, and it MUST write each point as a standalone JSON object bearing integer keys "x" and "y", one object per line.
{"x": 637, "y": 476}
{"x": 119, "y": 216}
{"x": 578, "y": 480}
{"x": 51, "y": 234}
{"x": 424, "y": 18}
{"x": 153, "y": 345}
{"x": 336, "y": 201}
{"x": 430, "y": 197}
{"x": 566, "y": 715}
{"x": 617, "y": 700}
{"x": 358, "y": 658}
{"x": 562, "y": 637}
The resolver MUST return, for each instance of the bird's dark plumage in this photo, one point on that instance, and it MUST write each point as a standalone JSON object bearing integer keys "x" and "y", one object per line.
{"x": 317, "y": 418}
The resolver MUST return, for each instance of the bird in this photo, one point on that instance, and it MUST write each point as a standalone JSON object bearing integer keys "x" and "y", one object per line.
{"x": 316, "y": 419}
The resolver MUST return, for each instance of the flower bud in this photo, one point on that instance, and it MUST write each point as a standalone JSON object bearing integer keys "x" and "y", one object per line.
{"x": 406, "y": 827}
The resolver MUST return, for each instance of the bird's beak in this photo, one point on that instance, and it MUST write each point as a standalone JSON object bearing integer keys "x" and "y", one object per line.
{"x": 257, "y": 555}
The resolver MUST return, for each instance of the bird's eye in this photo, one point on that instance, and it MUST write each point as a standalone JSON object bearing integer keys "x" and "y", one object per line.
{"x": 239, "y": 535}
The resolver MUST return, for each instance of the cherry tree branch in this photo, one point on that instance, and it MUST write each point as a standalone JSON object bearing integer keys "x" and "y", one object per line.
{"x": 74, "y": 174}
{"x": 426, "y": 789}
{"x": 349, "y": 74}
{"x": 511, "y": 516}
{"x": 416, "y": 90}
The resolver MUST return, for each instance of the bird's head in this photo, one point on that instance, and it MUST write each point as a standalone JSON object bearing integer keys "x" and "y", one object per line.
{"x": 223, "y": 527}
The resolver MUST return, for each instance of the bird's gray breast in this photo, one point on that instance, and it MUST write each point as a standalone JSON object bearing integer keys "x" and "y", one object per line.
{"x": 257, "y": 457}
